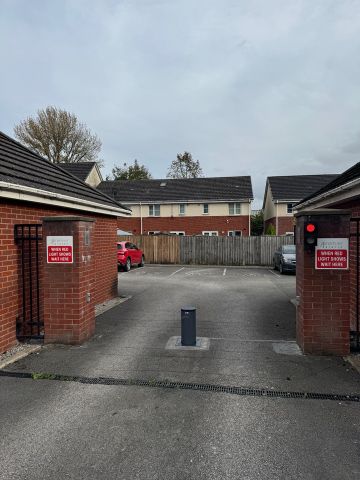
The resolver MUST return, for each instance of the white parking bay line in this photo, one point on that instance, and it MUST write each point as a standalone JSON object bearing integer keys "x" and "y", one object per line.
{"x": 272, "y": 271}
{"x": 224, "y": 272}
{"x": 177, "y": 271}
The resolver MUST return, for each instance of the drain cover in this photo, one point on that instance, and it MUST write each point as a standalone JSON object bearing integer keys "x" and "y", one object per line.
{"x": 204, "y": 387}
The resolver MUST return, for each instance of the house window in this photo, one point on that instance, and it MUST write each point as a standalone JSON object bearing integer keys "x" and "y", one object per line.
{"x": 234, "y": 233}
{"x": 182, "y": 209}
{"x": 210, "y": 233}
{"x": 181, "y": 234}
{"x": 234, "y": 208}
{"x": 156, "y": 232}
{"x": 205, "y": 208}
{"x": 154, "y": 210}
{"x": 290, "y": 208}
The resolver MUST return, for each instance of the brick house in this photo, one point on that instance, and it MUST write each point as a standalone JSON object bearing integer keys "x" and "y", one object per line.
{"x": 88, "y": 172}
{"x": 32, "y": 188}
{"x": 282, "y": 193}
{"x": 193, "y": 206}
{"x": 342, "y": 193}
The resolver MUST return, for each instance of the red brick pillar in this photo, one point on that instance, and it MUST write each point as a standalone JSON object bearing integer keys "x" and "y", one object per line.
{"x": 69, "y": 313}
{"x": 323, "y": 312}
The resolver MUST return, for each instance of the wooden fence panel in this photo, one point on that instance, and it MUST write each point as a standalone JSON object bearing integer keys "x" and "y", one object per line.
{"x": 156, "y": 248}
{"x": 203, "y": 250}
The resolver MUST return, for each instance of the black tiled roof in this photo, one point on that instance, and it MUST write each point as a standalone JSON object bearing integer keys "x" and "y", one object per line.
{"x": 185, "y": 189}
{"x": 351, "y": 174}
{"x": 296, "y": 187}
{"x": 80, "y": 170}
{"x": 21, "y": 166}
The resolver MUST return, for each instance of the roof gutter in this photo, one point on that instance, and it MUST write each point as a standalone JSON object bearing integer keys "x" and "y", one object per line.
{"x": 30, "y": 194}
{"x": 187, "y": 201}
{"x": 330, "y": 193}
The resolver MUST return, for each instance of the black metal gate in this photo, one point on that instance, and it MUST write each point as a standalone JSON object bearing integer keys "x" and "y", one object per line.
{"x": 29, "y": 322}
{"x": 355, "y": 248}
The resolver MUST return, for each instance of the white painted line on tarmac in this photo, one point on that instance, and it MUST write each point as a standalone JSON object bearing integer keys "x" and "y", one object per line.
{"x": 276, "y": 274}
{"x": 177, "y": 271}
{"x": 224, "y": 272}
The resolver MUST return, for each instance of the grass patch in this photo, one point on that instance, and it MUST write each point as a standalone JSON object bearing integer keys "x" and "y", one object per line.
{"x": 43, "y": 376}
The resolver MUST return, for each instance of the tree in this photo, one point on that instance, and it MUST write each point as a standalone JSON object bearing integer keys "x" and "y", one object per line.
{"x": 257, "y": 223}
{"x": 131, "y": 172}
{"x": 185, "y": 167}
{"x": 270, "y": 230}
{"x": 58, "y": 135}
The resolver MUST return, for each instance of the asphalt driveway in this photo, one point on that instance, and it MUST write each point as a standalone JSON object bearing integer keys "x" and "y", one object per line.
{"x": 57, "y": 429}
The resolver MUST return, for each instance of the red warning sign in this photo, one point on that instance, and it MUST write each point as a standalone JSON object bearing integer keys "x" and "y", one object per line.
{"x": 59, "y": 249}
{"x": 332, "y": 254}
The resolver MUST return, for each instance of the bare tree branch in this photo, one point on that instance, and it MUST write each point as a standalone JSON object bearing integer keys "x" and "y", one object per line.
{"x": 58, "y": 135}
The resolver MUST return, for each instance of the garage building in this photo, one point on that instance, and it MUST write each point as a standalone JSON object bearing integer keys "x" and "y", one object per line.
{"x": 32, "y": 188}
{"x": 343, "y": 194}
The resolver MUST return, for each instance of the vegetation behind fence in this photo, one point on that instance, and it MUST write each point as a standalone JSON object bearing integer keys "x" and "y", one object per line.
{"x": 201, "y": 250}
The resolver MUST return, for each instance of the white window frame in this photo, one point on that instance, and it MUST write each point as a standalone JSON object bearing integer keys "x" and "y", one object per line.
{"x": 153, "y": 232}
{"x": 233, "y": 232}
{"x": 289, "y": 233}
{"x": 205, "y": 205}
{"x": 210, "y": 233}
{"x": 235, "y": 206}
{"x": 287, "y": 208}
{"x": 182, "y": 205}
{"x": 153, "y": 208}
{"x": 178, "y": 232}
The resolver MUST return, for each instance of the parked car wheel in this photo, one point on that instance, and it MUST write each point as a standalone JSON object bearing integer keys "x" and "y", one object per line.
{"x": 142, "y": 263}
{"x": 128, "y": 265}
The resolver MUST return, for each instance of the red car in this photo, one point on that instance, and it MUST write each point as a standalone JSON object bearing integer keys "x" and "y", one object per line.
{"x": 129, "y": 254}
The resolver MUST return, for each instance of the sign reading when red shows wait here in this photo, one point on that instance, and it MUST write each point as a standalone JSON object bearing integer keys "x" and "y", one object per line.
{"x": 59, "y": 249}
{"x": 332, "y": 254}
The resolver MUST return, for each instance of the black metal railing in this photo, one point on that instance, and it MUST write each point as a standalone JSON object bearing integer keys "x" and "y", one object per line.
{"x": 29, "y": 324}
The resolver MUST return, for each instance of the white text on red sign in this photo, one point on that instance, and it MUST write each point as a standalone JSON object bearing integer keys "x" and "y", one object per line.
{"x": 332, "y": 254}
{"x": 59, "y": 249}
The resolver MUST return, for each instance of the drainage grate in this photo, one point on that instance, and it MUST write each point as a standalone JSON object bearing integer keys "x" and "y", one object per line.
{"x": 204, "y": 387}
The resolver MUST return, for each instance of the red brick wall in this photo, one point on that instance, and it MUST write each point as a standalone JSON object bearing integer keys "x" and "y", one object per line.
{"x": 189, "y": 225}
{"x": 106, "y": 274}
{"x": 69, "y": 289}
{"x": 285, "y": 224}
{"x": 20, "y": 212}
{"x": 354, "y": 207}
{"x": 323, "y": 317}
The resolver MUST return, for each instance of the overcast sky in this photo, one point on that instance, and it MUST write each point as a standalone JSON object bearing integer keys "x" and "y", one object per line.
{"x": 249, "y": 87}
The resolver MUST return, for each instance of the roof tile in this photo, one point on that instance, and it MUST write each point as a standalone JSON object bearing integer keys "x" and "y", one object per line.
{"x": 21, "y": 166}
{"x": 351, "y": 174}
{"x": 177, "y": 190}
{"x": 80, "y": 169}
{"x": 296, "y": 187}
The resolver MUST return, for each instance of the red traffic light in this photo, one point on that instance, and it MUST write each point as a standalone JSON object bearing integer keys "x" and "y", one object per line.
{"x": 310, "y": 227}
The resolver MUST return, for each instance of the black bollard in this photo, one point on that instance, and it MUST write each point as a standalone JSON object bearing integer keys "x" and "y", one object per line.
{"x": 188, "y": 326}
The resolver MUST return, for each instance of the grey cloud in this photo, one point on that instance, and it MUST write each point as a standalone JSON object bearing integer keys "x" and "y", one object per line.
{"x": 254, "y": 87}
{"x": 353, "y": 148}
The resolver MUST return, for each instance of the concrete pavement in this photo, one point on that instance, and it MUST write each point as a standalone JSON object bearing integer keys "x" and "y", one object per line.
{"x": 55, "y": 429}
